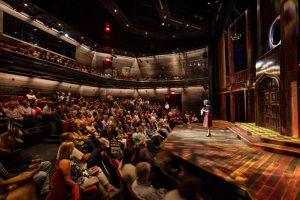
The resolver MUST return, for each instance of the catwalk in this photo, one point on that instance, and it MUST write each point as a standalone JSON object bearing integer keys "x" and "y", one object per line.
{"x": 263, "y": 174}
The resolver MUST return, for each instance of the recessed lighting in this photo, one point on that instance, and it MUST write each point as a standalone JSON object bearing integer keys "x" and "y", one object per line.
{"x": 208, "y": 3}
{"x": 146, "y": 33}
{"x": 66, "y": 35}
{"x": 127, "y": 25}
{"x": 163, "y": 24}
{"x": 59, "y": 24}
{"x": 25, "y": 4}
{"x": 187, "y": 25}
{"x": 115, "y": 10}
{"x": 165, "y": 16}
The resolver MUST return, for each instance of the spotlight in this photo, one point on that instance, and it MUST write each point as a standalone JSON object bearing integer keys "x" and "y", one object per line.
{"x": 163, "y": 24}
{"x": 25, "y": 4}
{"x": 115, "y": 10}
{"x": 59, "y": 24}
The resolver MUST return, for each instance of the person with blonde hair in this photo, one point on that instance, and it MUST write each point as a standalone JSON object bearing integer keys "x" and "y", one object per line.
{"x": 73, "y": 174}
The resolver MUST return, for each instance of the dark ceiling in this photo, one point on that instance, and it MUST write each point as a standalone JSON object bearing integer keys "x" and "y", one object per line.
{"x": 137, "y": 26}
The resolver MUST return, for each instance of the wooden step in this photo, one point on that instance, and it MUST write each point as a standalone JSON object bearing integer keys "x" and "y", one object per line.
{"x": 279, "y": 148}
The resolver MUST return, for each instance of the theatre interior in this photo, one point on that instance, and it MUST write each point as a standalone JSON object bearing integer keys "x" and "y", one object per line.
{"x": 149, "y": 100}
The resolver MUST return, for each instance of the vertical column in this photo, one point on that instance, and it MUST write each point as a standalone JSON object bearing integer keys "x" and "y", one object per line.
{"x": 231, "y": 72}
{"x": 222, "y": 75}
{"x": 289, "y": 108}
{"x": 1, "y": 21}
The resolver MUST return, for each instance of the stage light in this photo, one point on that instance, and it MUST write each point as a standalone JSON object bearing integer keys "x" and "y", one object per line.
{"x": 107, "y": 27}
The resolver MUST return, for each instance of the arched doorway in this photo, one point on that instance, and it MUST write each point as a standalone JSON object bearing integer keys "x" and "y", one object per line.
{"x": 268, "y": 103}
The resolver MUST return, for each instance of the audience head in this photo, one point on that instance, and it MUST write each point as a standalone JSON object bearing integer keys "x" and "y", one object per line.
{"x": 65, "y": 150}
{"x": 104, "y": 143}
{"x": 143, "y": 171}
{"x": 67, "y": 137}
{"x": 191, "y": 188}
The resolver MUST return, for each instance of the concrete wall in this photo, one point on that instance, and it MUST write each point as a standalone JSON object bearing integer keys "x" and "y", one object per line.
{"x": 11, "y": 84}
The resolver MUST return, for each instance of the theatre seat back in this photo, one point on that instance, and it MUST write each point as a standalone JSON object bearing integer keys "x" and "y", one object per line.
{"x": 58, "y": 186}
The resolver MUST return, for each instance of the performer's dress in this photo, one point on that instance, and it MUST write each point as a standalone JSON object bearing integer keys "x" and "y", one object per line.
{"x": 207, "y": 121}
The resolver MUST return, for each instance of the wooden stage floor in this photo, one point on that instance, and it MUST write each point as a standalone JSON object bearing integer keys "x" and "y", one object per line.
{"x": 264, "y": 175}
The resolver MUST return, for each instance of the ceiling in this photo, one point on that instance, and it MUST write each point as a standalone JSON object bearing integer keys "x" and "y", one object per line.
{"x": 137, "y": 26}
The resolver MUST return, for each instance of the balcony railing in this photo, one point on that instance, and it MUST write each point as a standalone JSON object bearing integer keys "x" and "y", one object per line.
{"x": 239, "y": 77}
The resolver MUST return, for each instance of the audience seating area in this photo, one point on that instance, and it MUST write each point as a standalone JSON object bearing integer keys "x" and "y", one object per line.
{"x": 108, "y": 126}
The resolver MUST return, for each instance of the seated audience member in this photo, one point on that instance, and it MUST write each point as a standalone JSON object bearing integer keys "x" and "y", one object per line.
{"x": 12, "y": 112}
{"x": 27, "y": 113}
{"x": 85, "y": 160}
{"x": 11, "y": 168}
{"x": 25, "y": 109}
{"x": 24, "y": 192}
{"x": 142, "y": 187}
{"x": 126, "y": 169}
{"x": 141, "y": 152}
{"x": 190, "y": 189}
{"x": 31, "y": 97}
{"x": 74, "y": 174}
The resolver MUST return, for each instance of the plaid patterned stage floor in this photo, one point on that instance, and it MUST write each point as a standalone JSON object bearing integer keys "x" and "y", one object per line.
{"x": 263, "y": 174}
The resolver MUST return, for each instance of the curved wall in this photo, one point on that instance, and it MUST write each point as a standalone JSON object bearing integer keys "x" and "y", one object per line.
{"x": 11, "y": 84}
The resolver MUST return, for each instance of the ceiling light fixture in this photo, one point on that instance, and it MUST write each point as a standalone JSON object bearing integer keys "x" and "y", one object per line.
{"x": 187, "y": 25}
{"x": 66, "y": 35}
{"x": 146, "y": 33}
{"x": 163, "y": 24}
{"x": 59, "y": 24}
{"x": 35, "y": 29}
{"x": 208, "y": 3}
{"x": 115, "y": 10}
{"x": 25, "y": 4}
{"x": 174, "y": 36}
{"x": 127, "y": 25}
{"x": 165, "y": 16}
{"x": 82, "y": 37}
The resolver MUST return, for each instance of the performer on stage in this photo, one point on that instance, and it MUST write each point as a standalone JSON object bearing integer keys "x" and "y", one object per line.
{"x": 207, "y": 121}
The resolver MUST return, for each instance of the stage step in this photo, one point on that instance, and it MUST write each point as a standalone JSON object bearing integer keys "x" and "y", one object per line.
{"x": 279, "y": 148}
{"x": 265, "y": 143}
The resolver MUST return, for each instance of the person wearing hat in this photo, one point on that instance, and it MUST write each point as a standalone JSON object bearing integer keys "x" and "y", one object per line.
{"x": 207, "y": 120}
